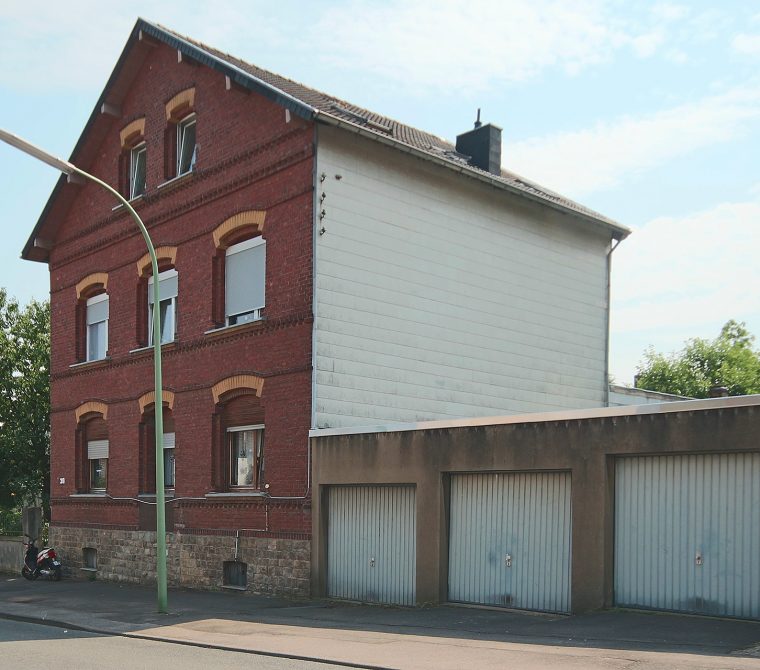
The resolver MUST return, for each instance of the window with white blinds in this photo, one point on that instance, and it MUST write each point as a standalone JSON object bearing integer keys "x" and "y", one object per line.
{"x": 97, "y": 449}
{"x": 169, "y": 470}
{"x": 167, "y": 288}
{"x": 245, "y": 276}
{"x": 97, "y": 327}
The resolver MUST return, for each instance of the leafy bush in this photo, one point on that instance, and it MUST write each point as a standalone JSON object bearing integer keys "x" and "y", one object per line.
{"x": 10, "y": 521}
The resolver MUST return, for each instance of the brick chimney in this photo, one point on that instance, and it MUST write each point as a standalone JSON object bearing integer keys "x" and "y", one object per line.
{"x": 483, "y": 145}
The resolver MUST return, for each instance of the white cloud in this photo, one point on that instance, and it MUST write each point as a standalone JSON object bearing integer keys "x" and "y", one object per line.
{"x": 447, "y": 45}
{"x": 747, "y": 45}
{"x": 646, "y": 45}
{"x": 667, "y": 11}
{"x": 422, "y": 45}
{"x": 683, "y": 277}
{"x": 584, "y": 161}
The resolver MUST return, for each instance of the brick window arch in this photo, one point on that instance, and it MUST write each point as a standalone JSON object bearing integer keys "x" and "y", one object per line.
{"x": 91, "y": 318}
{"x": 238, "y": 434}
{"x": 239, "y": 261}
{"x": 91, "y": 448}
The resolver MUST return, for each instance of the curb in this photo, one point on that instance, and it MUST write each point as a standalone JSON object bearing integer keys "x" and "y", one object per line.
{"x": 55, "y": 623}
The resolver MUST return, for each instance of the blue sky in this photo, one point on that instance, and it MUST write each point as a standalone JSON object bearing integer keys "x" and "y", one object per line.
{"x": 649, "y": 115}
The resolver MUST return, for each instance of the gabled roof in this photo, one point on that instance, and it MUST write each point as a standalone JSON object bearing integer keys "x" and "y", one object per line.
{"x": 306, "y": 102}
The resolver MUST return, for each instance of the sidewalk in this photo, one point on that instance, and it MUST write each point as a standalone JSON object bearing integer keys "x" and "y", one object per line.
{"x": 386, "y": 637}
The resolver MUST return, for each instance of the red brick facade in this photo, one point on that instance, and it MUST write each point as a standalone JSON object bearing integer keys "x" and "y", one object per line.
{"x": 251, "y": 157}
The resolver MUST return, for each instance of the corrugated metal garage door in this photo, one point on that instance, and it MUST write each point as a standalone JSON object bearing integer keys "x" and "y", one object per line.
{"x": 371, "y": 544}
{"x": 509, "y": 540}
{"x": 687, "y": 533}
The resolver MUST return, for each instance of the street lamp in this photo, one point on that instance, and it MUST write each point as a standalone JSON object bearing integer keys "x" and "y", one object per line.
{"x": 69, "y": 169}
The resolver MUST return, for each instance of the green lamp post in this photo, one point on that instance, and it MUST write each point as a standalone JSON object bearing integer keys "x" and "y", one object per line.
{"x": 69, "y": 169}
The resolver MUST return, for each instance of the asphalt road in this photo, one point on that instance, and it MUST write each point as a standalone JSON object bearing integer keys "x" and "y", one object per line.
{"x": 30, "y": 646}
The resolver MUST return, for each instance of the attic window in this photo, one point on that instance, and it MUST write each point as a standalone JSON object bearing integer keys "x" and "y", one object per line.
{"x": 132, "y": 160}
{"x": 137, "y": 171}
{"x": 186, "y": 147}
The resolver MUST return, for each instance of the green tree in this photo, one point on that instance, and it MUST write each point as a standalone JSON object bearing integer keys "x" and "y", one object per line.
{"x": 24, "y": 402}
{"x": 729, "y": 360}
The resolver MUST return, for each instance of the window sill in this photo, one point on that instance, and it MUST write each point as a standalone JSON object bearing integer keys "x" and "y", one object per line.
{"x": 239, "y": 494}
{"x": 148, "y": 349}
{"x": 229, "y": 587}
{"x": 169, "y": 495}
{"x": 90, "y": 570}
{"x": 131, "y": 201}
{"x": 91, "y": 364}
{"x": 238, "y": 327}
{"x": 175, "y": 180}
{"x": 101, "y": 496}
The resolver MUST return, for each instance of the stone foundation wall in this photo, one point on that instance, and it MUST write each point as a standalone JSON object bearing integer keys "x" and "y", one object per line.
{"x": 276, "y": 566}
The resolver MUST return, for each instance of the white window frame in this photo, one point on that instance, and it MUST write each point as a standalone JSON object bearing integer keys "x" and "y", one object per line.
{"x": 252, "y": 315}
{"x": 257, "y": 470}
{"x": 133, "y": 155}
{"x": 173, "y": 301}
{"x": 189, "y": 120}
{"x": 101, "y": 297}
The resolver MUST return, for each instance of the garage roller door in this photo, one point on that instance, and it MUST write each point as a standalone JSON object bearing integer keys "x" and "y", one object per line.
{"x": 371, "y": 544}
{"x": 509, "y": 540}
{"x": 687, "y": 533}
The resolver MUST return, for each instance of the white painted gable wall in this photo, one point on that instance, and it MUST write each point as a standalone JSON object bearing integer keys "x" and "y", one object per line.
{"x": 438, "y": 296}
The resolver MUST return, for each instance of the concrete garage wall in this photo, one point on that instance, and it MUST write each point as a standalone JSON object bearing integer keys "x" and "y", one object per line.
{"x": 584, "y": 443}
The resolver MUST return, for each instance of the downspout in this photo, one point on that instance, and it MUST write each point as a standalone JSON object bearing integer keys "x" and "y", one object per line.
{"x": 606, "y": 386}
{"x": 314, "y": 306}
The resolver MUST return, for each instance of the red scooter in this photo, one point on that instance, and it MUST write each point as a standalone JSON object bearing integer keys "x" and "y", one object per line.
{"x": 41, "y": 562}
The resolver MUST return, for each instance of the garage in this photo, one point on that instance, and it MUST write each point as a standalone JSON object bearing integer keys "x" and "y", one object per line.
{"x": 687, "y": 533}
{"x": 371, "y": 544}
{"x": 509, "y": 540}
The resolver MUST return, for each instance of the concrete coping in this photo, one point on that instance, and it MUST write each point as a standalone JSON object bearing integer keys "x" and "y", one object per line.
{"x": 543, "y": 417}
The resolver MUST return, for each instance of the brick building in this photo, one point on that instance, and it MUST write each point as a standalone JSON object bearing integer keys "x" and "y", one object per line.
{"x": 320, "y": 266}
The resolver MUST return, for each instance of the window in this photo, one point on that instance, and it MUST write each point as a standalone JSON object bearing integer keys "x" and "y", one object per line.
{"x": 167, "y": 287}
{"x": 169, "y": 460}
{"x": 237, "y": 447}
{"x": 147, "y": 449}
{"x": 91, "y": 447}
{"x": 97, "y": 327}
{"x": 97, "y": 454}
{"x": 245, "y": 275}
{"x": 246, "y": 448}
{"x": 137, "y": 171}
{"x": 186, "y": 147}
